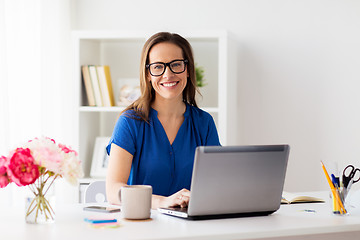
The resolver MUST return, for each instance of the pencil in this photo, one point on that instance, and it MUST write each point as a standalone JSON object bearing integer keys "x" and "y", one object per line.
{"x": 333, "y": 190}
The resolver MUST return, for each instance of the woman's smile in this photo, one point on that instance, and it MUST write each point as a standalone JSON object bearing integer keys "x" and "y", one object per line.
{"x": 170, "y": 84}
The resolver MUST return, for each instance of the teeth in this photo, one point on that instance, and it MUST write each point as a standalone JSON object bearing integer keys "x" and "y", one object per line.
{"x": 169, "y": 84}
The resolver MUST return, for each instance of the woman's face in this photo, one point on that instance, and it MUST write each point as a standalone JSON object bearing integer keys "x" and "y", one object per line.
{"x": 168, "y": 86}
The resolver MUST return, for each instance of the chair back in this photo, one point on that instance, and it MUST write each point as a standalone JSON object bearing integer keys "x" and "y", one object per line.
{"x": 95, "y": 192}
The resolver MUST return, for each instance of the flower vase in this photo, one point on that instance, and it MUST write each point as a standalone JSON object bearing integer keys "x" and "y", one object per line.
{"x": 39, "y": 209}
{"x": 37, "y": 164}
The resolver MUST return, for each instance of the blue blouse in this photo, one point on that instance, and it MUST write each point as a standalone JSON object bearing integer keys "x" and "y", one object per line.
{"x": 166, "y": 167}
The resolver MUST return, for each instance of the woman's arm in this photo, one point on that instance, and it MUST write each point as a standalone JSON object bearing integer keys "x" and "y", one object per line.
{"x": 118, "y": 172}
{"x": 117, "y": 176}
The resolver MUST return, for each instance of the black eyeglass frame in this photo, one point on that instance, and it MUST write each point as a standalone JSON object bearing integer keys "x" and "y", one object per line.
{"x": 167, "y": 65}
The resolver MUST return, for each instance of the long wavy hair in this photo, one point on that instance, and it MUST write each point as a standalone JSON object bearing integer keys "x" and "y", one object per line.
{"x": 142, "y": 105}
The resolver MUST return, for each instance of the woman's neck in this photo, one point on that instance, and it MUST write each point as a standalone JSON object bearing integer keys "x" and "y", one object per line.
{"x": 169, "y": 108}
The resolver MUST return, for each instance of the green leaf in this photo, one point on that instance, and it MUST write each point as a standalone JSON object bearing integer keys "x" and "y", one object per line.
{"x": 199, "y": 72}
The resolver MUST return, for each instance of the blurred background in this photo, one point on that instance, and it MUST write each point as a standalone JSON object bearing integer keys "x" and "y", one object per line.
{"x": 297, "y": 70}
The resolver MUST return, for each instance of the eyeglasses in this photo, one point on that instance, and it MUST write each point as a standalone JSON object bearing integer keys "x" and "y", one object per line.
{"x": 158, "y": 68}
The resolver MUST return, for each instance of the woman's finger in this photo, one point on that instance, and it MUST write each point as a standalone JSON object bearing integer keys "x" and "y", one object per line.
{"x": 183, "y": 200}
{"x": 186, "y": 193}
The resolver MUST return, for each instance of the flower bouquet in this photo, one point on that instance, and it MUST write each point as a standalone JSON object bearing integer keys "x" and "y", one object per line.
{"x": 37, "y": 164}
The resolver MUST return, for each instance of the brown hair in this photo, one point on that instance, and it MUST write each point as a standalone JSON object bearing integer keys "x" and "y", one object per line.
{"x": 142, "y": 105}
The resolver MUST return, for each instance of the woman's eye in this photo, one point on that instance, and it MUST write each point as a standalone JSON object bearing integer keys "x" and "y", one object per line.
{"x": 158, "y": 67}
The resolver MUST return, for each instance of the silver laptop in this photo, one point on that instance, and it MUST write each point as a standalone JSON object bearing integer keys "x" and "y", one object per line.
{"x": 235, "y": 181}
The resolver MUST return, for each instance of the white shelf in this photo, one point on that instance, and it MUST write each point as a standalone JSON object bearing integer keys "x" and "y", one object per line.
{"x": 121, "y": 50}
{"x": 119, "y": 109}
{"x": 101, "y": 109}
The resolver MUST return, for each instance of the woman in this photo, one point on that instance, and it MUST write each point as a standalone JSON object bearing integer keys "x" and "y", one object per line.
{"x": 154, "y": 139}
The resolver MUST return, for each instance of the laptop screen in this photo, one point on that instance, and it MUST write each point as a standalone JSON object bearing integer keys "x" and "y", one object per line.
{"x": 233, "y": 179}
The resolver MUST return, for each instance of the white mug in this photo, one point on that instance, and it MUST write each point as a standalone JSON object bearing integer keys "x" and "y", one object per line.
{"x": 136, "y": 201}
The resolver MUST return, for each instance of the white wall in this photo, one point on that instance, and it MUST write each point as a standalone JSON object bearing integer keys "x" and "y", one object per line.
{"x": 35, "y": 79}
{"x": 298, "y": 74}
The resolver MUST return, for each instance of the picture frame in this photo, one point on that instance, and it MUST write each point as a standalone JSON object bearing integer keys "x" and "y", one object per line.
{"x": 100, "y": 158}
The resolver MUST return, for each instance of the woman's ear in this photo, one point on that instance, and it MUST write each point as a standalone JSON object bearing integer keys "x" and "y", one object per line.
{"x": 148, "y": 78}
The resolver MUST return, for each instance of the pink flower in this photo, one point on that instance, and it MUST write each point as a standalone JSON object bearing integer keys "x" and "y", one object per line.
{"x": 22, "y": 169}
{"x": 40, "y": 157}
{"x": 67, "y": 149}
{"x": 4, "y": 177}
{"x": 46, "y": 153}
{"x": 71, "y": 167}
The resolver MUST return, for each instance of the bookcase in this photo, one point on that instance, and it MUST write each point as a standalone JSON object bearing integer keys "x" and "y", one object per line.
{"x": 215, "y": 51}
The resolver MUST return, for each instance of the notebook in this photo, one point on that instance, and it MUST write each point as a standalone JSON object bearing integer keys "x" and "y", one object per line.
{"x": 235, "y": 181}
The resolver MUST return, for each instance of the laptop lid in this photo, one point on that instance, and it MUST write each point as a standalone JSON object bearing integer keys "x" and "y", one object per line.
{"x": 236, "y": 180}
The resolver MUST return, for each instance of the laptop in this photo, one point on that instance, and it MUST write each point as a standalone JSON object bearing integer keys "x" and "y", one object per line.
{"x": 235, "y": 181}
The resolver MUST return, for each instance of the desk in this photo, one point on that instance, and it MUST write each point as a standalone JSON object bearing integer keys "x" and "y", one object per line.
{"x": 289, "y": 222}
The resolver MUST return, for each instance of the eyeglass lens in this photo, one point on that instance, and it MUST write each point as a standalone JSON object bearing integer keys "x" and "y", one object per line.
{"x": 157, "y": 69}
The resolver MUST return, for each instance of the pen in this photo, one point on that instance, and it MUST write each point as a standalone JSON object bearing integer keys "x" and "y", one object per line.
{"x": 335, "y": 180}
{"x": 333, "y": 190}
{"x": 308, "y": 210}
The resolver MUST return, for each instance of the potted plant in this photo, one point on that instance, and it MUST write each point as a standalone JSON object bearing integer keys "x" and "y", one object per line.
{"x": 200, "y": 80}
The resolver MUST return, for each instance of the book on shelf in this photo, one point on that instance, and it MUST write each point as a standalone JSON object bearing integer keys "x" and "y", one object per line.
{"x": 105, "y": 85}
{"x": 96, "y": 86}
{"x": 291, "y": 198}
{"x": 88, "y": 85}
{"x": 109, "y": 85}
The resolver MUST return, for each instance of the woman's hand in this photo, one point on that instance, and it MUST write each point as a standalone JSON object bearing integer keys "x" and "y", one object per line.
{"x": 180, "y": 198}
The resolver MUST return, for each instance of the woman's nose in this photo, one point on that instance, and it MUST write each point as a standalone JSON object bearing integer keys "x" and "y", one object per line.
{"x": 168, "y": 73}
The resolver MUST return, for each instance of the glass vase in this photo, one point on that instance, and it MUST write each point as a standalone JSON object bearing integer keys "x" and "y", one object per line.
{"x": 39, "y": 209}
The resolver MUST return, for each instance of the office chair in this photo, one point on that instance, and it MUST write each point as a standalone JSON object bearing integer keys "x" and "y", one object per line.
{"x": 95, "y": 192}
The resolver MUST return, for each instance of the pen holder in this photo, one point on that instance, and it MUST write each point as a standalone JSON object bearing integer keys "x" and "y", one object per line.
{"x": 337, "y": 203}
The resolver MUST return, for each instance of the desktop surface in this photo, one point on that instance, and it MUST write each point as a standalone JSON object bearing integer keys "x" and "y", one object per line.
{"x": 289, "y": 222}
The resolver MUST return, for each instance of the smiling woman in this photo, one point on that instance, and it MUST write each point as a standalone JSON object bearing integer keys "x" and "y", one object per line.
{"x": 154, "y": 139}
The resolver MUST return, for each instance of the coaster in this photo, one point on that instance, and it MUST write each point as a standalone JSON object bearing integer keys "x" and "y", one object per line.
{"x": 138, "y": 220}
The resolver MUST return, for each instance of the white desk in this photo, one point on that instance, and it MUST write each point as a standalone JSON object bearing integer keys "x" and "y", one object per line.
{"x": 289, "y": 222}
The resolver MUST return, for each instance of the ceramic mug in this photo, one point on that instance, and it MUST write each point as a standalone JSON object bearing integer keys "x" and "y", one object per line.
{"x": 136, "y": 201}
